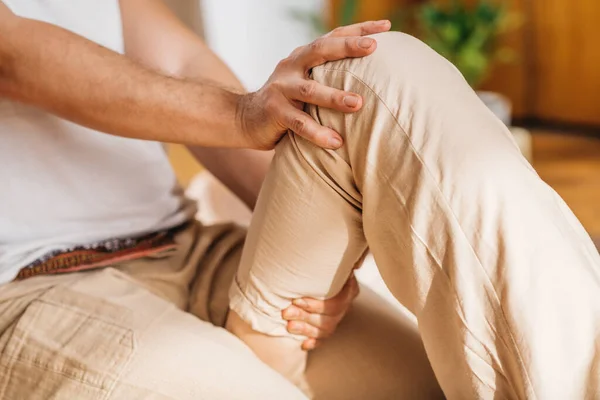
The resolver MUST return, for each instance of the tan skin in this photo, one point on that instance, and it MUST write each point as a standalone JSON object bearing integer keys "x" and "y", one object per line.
{"x": 171, "y": 87}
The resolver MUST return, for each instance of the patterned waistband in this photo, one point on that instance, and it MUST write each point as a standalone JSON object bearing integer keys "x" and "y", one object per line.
{"x": 101, "y": 254}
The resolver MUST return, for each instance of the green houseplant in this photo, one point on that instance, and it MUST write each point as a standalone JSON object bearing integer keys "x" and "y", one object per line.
{"x": 467, "y": 36}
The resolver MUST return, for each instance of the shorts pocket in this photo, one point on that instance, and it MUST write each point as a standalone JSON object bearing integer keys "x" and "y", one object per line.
{"x": 66, "y": 345}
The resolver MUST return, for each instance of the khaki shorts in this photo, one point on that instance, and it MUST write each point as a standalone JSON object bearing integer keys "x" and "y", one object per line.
{"x": 150, "y": 329}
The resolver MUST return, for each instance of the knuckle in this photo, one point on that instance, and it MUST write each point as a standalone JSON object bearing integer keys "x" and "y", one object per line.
{"x": 296, "y": 52}
{"x": 283, "y": 64}
{"x": 275, "y": 86}
{"x": 295, "y": 57}
{"x": 337, "y": 30}
{"x": 302, "y": 316}
{"x": 307, "y": 89}
{"x": 295, "y": 327}
{"x": 364, "y": 28}
{"x": 336, "y": 98}
{"x": 311, "y": 309}
{"x": 298, "y": 125}
{"x": 317, "y": 309}
{"x": 313, "y": 332}
{"x": 317, "y": 45}
{"x": 314, "y": 324}
{"x": 350, "y": 44}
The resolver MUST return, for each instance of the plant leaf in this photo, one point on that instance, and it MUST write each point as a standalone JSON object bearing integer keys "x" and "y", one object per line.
{"x": 349, "y": 11}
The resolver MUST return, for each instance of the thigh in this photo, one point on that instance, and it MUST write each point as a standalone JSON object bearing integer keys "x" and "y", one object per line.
{"x": 55, "y": 343}
{"x": 182, "y": 357}
{"x": 102, "y": 336}
{"x": 196, "y": 276}
{"x": 376, "y": 353}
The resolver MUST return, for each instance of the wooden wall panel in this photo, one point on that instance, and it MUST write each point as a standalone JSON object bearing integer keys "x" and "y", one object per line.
{"x": 566, "y": 57}
{"x": 557, "y": 76}
{"x": 511, "y": 79}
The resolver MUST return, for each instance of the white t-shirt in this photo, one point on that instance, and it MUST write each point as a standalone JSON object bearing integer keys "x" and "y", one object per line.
{"x": 64, "y": 185}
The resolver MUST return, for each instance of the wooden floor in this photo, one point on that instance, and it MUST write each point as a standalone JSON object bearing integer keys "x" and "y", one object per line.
{"x": 571, "y": 165}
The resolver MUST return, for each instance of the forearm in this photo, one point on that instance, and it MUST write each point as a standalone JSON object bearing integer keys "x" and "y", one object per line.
{"x": 67, "y": 75}
{"x": 241, "y": 170}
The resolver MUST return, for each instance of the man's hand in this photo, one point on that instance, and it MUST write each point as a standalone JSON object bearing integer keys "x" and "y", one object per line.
{"x": 318, "y": 319}
{"x": 267, "y": 114}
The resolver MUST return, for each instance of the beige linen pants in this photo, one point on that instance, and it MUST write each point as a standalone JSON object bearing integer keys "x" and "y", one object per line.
{"x": 137, "y": 330}
{"x": 503, "y": 279}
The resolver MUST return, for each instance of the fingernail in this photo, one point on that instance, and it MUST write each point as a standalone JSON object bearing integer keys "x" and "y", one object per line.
{"x": 383, "y": 22}
{"x": 291, "y": 313}
{"x": 333, "y": 143}
{"x": 351, "y": 101}
{"x": 300, "y": 302}
{"x": 365, "y": 43}
{"x": 309, "y": 346}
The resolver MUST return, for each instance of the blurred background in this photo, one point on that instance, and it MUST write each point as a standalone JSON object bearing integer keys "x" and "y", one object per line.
{"x": 535, "y": 63}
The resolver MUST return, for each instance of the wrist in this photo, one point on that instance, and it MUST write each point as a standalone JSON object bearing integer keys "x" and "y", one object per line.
{"x": 242, "y": 119}
{"x": 222, "y": 108}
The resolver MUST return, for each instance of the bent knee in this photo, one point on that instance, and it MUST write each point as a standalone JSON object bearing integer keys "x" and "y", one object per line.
{"x": 399, "y": 59}
{"x": 404, "y": 81}
{"x": 412, "y": 91}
